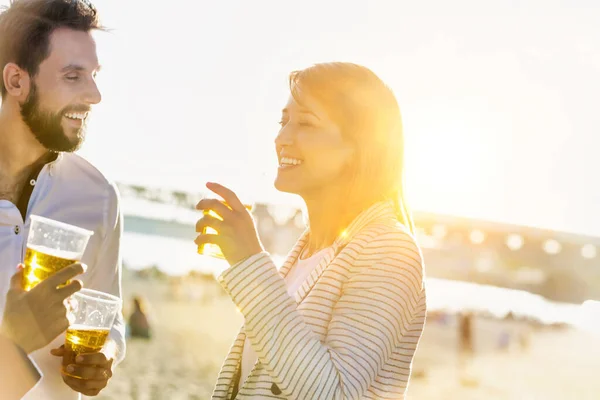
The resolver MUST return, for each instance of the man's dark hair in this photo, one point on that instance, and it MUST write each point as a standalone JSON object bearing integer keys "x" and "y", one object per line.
{"x": 26, "y": 26}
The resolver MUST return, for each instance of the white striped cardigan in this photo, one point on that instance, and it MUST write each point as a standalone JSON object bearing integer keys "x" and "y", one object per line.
{"x": 350, "y": 332}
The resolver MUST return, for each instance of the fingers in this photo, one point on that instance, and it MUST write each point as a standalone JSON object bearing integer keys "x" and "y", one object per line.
{"x": 58, "y": 352}
{"x": 208, "y": 238}
{"x": 89, "y": 373}
{"x": 63, "y": 275}
{"x": 218, "y": 206}
{"x": 17, "y": 280}
{"x": 51, "y": 328}
{"x": 66, "y": 291}
{"x": 93, "y": 359}
{"x": 228, "y": 195}
{"x": 58, "y": 325}
{"x": 87, "y": 387}
{"x": 209, "y": 221}
{"x": 91, "y": 393}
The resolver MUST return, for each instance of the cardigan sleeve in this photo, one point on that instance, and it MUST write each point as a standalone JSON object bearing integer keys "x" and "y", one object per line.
{"x": 382, "y": 308}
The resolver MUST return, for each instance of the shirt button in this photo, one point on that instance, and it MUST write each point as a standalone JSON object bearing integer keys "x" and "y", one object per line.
{"x": 275, "y": 390}
{"x": 32, "y": 182}
{"x": 17, "y": 229}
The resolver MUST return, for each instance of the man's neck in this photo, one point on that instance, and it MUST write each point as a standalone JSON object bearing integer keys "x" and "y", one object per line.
{"x": 20, "y": 153}
{"x": 19, "y": 149}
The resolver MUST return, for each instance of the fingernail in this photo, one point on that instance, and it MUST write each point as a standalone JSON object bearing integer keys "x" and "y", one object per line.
{"x": 71, "y": 369}
{"x": 84, "y": 267}
{"x": 79, "y": 359}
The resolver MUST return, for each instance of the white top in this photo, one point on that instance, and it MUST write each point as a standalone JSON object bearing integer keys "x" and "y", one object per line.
{"x": 293, "y": 280}
{"x": 69, "y": 190}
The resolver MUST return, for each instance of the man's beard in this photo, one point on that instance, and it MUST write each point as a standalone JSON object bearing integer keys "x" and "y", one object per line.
{"x": 46, "y": 126}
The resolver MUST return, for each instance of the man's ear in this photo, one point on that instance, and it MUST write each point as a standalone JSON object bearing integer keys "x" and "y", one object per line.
{"x": 16, "y": 81}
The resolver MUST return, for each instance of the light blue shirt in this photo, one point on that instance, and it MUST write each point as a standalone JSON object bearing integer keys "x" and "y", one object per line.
{"x": 73, "y": 191}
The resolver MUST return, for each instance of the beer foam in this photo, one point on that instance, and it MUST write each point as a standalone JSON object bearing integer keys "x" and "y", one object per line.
{"x": 69, "y": 255}
{"x": 81, "y": 327}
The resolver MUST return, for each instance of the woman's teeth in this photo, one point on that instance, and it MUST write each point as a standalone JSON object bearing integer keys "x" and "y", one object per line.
{"x": 285, "y": 161}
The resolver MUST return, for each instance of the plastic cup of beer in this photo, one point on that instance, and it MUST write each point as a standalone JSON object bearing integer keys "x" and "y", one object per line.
{"x": 51, "y": 246}
{"x": 91, "y": 316}
{"x": 210, "y": 249}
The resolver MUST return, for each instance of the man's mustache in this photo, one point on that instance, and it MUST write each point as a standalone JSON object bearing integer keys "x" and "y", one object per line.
{"x": 77, "y": 109}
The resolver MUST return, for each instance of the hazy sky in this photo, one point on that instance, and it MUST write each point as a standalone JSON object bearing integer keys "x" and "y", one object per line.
{"x": 499, "y": 98}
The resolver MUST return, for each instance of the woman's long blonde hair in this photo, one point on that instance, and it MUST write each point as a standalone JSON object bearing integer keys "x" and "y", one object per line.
{"x": 367, "y": 112}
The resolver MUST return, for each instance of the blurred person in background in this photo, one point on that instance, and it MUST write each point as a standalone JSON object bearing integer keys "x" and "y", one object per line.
{"x": 343, "y": 316}
{"x": 32, "y": 320}
{"x": 49, "y": 65}
{"x": 139, "y": 324}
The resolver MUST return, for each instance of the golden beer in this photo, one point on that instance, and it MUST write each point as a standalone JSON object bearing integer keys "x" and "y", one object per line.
{"x": 82, "y": 339}
{"x": 210, "y": 249}
{"x": 40, "y": 263}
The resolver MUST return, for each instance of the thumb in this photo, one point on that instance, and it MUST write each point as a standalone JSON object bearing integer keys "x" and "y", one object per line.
{"x": 59, "y": 352}
{"x": 17, "y": 279}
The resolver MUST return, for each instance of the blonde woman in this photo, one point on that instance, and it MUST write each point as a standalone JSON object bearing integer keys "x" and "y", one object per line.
{"x": 343, "y": 316}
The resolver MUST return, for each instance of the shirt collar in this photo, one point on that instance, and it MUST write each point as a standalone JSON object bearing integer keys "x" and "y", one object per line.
{"x": 380, "y": 210}
{"x": 55, "y": 158}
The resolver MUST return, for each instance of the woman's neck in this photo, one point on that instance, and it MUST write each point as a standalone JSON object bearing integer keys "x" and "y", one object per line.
{"x": 328, "y": 215}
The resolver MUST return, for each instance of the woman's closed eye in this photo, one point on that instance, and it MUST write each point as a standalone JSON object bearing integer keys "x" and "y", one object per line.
{"x": 303, "y": 123}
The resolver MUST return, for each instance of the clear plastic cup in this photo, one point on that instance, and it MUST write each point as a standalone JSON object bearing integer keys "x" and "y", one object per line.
{"x": 210, "y": 249}
{"x": 51, "y": 246}
{"x": 91, "y": 316}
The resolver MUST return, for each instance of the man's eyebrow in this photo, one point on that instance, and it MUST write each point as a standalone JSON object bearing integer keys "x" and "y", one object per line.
{"x": 77, "y": 67}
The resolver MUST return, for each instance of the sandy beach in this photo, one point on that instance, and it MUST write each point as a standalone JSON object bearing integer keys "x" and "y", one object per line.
{"x": 194, "y": 324}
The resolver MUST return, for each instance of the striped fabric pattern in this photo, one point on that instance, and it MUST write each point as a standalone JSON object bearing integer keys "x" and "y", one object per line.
{"x": 353, "y": 327}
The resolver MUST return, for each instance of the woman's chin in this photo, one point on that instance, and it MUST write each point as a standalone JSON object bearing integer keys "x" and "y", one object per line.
{"x": 286, "y": 186}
